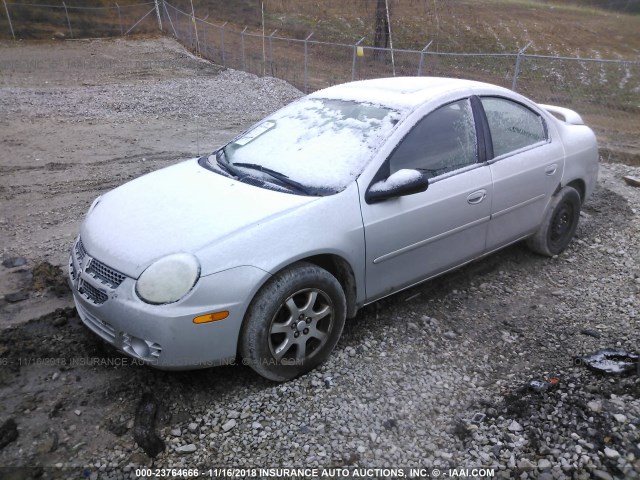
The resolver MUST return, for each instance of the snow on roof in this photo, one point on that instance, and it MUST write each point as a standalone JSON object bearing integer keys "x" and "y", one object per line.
{"x": 400, "y": 92}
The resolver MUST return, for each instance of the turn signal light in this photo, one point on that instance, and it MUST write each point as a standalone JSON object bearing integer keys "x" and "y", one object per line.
{"x": 211, "y": 317}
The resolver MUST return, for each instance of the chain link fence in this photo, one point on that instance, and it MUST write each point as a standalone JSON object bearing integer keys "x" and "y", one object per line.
{"x": 605, "y": 92}
{"x": 36, "y": 21}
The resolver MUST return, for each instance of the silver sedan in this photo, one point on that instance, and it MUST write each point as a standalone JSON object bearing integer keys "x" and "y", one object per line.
{"x": 261, "y": 250}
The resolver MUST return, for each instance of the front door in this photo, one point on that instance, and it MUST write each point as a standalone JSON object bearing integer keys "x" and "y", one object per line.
{"x": 414, "y": 237}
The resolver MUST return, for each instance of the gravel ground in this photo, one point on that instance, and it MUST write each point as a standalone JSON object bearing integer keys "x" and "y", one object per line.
{"x": 434, "y": 377}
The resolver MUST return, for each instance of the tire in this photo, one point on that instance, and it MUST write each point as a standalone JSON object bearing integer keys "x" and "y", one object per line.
{"x": 293, "y": 323}
{"x": 558, "y": 225}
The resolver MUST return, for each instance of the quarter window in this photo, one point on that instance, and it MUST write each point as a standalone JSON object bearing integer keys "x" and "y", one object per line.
{"x": 443, "y": 141}
{"x": 513, "y": 126}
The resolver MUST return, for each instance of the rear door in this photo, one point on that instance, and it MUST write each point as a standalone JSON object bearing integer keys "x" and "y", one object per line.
{"x": 526, "y": 167}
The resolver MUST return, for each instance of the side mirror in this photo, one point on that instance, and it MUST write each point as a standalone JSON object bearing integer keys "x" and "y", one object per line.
{"x": 401, "y": 183}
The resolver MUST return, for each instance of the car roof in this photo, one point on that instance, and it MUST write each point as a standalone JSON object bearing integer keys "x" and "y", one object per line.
{"x": 401, "y": 92}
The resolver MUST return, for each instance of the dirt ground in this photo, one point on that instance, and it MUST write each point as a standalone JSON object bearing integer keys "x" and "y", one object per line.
{"x": 74, "y": 398}
{"x": 53, "y": 165}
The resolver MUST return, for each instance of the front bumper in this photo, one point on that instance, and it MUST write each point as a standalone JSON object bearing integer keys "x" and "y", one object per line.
{"x": 163, "y": 336}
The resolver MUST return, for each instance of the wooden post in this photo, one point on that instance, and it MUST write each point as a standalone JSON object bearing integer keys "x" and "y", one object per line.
{"x": 68, "y": 21}
{"x": 6, "y": 9}
{"x": 306, "y": 76}
{"x": 242, "y": 45}
{"x": 120, "y": 20}
{"x": 158, "y": 14}
{"x": 222, "y": 43}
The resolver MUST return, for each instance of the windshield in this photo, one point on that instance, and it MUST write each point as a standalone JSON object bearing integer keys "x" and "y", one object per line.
{"x": 318, "y": 143}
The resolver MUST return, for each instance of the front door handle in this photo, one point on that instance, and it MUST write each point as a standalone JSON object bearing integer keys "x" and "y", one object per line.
{"x": 551, "y": 169}
{"x": 477, "y": 197}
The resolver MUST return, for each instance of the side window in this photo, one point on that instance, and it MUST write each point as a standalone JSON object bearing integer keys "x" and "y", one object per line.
{"x": 513, "y": 126}
{"x": 443, "y": 141}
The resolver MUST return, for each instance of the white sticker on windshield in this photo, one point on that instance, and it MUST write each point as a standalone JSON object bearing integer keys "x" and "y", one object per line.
{"x": 254, "y": 133}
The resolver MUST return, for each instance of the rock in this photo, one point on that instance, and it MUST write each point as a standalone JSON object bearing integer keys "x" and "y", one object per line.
{"x": 8, "y": 432}
{"x": 544, "y": 464}
{"x": 595, "y": 406}
{"x": 59, "y": 321}
{"x": 57, "y": 408}
{"x": 13, "y": 262}
{"x": 78, "y": 412}
{"x": 186, "y": 449}
{"x": 138, "y": 458}
{"x": 233, "y": 414}
{"x": 525, "y": 465}
{"x": 49, "y": 444}
{"x": 144, "y": 426}
{"x": 193, "y": 427}
{"x": 611, "y": 453}
{"x": 590, "y": 333}
{"x": 602, "y": 475}
{"x": 229, "y": 425}
{"x": 514, "y": 427}
{"x": 16, "y": 296}
{"x": 176, "y": 432}
{"x": 117, "y": 428}
{"x": 390, "y": 423}
{"x": 620, "y": 417}
{"x": 58, "y": 36}
{"x": 256, "y": 425}
{"x": 631, "y": 181}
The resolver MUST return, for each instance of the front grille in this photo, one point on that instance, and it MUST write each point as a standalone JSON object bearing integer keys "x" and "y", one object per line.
{"x": 105, "y": 274}
{"x": 80, "y": 251}
{"x": 72, "y": 270}
{"x": 104, "y": 329}
{"x": 86, "y": 270}
{"x": 92, "y": 293}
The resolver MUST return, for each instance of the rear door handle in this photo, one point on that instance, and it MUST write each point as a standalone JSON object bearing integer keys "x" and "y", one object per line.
{"x": 551, "y": 169}
{"x": 477, "y": 197}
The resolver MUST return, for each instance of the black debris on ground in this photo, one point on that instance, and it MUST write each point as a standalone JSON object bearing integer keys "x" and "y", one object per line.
{"x": 8, "y": 432}
{"x": 144, "y": 432}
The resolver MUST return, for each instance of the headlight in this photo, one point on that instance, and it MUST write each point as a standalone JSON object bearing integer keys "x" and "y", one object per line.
{"x": 169, "y": 279}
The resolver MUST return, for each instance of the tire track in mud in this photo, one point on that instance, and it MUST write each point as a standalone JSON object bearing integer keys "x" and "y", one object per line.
{"x": 81, "y": 177}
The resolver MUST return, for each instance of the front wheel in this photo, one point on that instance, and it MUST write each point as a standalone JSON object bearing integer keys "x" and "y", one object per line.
{"x": 559, "y": 224}
{"x": 293, "y": 323}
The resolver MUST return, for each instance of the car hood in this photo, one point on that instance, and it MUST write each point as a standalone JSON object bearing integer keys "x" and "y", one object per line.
{"x": 182, "y": 208}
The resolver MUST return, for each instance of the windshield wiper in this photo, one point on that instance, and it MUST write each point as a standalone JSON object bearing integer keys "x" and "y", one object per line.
{"x": 222, "y": 162}
{"x": 277, "y": 175}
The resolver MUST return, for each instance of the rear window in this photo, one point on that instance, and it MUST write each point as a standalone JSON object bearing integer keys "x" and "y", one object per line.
{"x": 513, "y": 126}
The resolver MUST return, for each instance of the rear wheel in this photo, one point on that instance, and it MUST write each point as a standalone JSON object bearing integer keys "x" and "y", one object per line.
{"x": 559, "y": 224}
{"x": 294, "y": 322}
